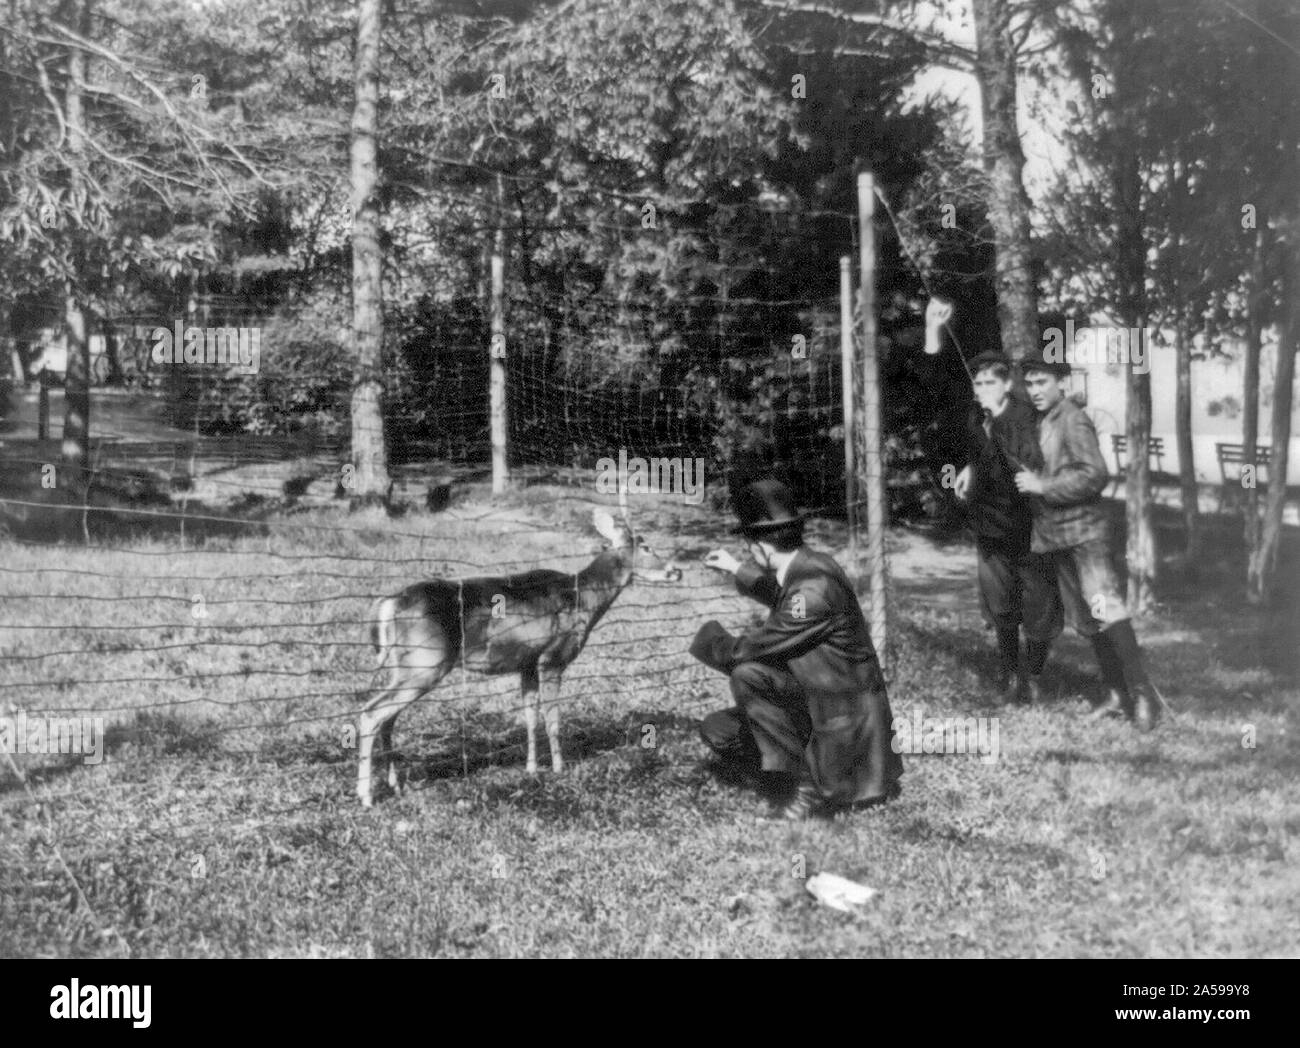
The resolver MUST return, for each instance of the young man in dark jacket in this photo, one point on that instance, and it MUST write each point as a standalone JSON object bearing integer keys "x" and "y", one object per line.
{"x": 1017, "y": 587}
{"x": 1071, "y": 526}
{"x": 810, "y": 699}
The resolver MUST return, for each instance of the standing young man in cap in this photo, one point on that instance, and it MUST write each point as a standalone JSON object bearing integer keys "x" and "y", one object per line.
{"x": 811, "y": 709}
{"x": 1071, "y": 526}
{"x": 1017, "y": 586}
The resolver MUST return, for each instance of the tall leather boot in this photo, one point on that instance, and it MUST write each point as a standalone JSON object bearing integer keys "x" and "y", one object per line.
{"x": 1112, "y": 676}
{"x": 1146, "y": 707}
{"x": 1008, "y": 665}
{"x": 1035, "y": 659}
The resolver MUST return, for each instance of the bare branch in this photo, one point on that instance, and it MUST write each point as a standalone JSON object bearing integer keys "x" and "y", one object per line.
{"x": 191, "y": 131}
{"x": 143, "y": 169}
{"x": 54, "y": 104}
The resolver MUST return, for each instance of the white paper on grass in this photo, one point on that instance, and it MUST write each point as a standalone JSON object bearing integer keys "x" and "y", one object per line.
{"x": 838, "y": 892}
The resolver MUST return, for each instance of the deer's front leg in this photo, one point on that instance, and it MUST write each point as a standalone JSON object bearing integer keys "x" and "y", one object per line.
{"x": 528, "y": 692}
{"x": 366, "y": 731}
{"x": 390, "y": 758}
{"x": 551, "y": 711}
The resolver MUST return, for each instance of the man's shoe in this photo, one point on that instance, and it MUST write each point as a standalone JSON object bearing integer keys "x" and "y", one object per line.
{"x": 1008, "y": 689}
{"x": 775, "y": 785}
{"x": 1114, "y": 706}
{"x": 1033, "y": 690}
{"x": 803, "y": 805}
{"x": 1146, "y": 708}
{"x": 736, "y": 773}
{"x": 891, "y": 793}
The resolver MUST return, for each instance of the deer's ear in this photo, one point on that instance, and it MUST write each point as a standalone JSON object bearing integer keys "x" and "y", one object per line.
{"x": 605, "y": 524}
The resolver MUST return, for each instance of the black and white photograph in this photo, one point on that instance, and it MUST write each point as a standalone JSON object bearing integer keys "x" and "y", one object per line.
{"x": 651, "y": 479}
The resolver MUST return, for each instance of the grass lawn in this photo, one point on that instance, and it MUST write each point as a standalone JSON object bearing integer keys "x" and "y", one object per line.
{"x": 223, "y": 821}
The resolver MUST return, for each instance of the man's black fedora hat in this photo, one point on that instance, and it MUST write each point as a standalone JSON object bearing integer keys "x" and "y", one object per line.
{"x": 764, "y": 506}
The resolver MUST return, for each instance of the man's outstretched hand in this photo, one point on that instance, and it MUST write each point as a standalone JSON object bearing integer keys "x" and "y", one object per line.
{"x": 722, "y": 560}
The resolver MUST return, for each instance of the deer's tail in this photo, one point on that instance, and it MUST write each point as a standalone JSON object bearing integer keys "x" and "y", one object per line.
{"x": 383, "y": 628}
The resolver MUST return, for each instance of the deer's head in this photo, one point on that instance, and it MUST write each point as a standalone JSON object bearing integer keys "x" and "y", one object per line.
{"x": 640, "y": 560}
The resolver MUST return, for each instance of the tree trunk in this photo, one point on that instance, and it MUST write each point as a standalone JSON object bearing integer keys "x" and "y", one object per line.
{"x": 76, "y": 390}
{"x": 497, "y": 421}
{"x": 8, "y": 50}
{"x": 1141, "y": 548}
{"x": 1250, "y": 394}
{"x": 9, "y": 345}
{"x": 1131, "y": 262}
{"x": 1004, "y": 161}
{"x": 1261, "y": 572}
{"x": 113, "y": 356}
{"x": 371, "y": 483}
{"x": 1183, "y": 428}
{"x": 1183, "y": 313}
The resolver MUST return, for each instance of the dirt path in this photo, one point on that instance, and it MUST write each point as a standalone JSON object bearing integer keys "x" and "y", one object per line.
{"x": 941, "y": 573}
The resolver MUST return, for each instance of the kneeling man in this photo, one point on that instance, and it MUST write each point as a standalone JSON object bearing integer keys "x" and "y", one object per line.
{"x": 811, "y": 707}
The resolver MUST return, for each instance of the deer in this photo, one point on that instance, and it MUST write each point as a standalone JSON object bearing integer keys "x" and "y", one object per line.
{"x": 534, "y": 623}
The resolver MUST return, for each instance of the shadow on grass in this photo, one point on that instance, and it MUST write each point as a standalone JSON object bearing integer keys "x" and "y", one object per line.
{"x": 149, "y": 736}
{"x": 920, "y": 830}
{"x": 1147, "y": 764}
{"x": 154, "y": 734}
{"x": 494, "y": 740}
{"x": 1282, "y": 756}
{"x": 119, "y": 506}
{"x": 1062, "y": 683}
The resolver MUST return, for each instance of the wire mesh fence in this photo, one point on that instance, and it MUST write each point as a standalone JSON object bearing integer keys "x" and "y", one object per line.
{"x": 264, "y": 632}
{"x": 210, "y": 593}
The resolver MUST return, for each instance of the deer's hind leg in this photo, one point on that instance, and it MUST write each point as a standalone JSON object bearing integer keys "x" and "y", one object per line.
{"x": 550, "y": 680}
{"x": 528, "y": 697}
{"x": 418, "y": 669}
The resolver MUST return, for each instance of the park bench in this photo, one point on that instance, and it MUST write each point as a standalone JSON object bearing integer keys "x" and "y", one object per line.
{"x": 1232, "y": 462}
{"x": 1119, "y": 447}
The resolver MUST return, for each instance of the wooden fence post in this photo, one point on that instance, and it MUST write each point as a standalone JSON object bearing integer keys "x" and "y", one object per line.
{"x": 846, "y": 387}
{"x": 870, "y": 462}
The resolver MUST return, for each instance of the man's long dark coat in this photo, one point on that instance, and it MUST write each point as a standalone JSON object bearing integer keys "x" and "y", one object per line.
{"x": 816, "y": 630}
